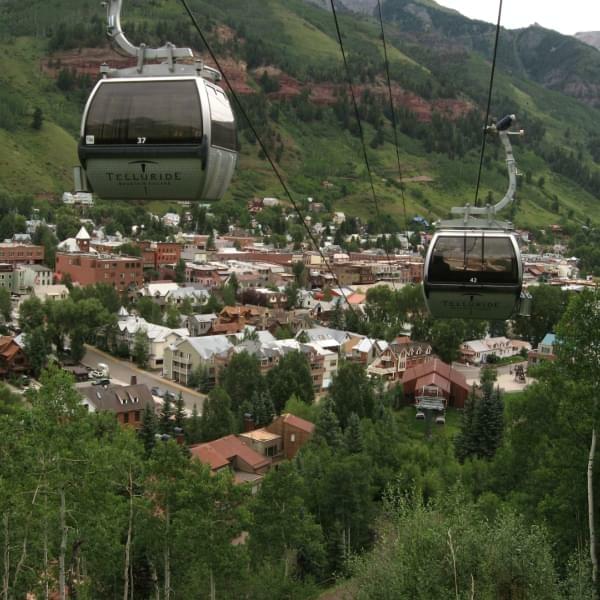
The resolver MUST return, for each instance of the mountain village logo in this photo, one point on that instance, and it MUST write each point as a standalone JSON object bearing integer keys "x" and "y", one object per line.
{"x": 471, "y": 302}
{"x": 144, "y": 176}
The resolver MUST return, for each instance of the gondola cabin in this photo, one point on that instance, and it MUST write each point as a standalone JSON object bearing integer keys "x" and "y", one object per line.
{"x": 473, "y": 274}
{"x": 163, "y": 138}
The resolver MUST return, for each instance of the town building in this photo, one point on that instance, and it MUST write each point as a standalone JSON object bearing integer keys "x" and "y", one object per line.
{"x": 15, "y": 253}
{"x": 545, "y": 351}
{"x": 157, "y": 255}
{"x": 126, "y": 402}
{"x": 401, "y": 354}
{"x": 199, "y": 325}
{"x": 159, "y": 337}
{"x": 13, "y": 360}
{"x": 6, "y": 276}
{"x": 477, "y": 352}
{"x": 435, "y": 375}
{"x": 233, "y": 454}
{"x": 27, "y": 277}
{"x": 124, "y": 273}
{"x": 282, "y": 438}
{"x": 183, "y": 357}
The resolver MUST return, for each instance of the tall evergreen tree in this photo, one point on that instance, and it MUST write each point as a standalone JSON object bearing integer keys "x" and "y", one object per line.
{"x": 482, "y": 426}
{"x": 217, "y": 418}
{"x": 179, "y": 411}
{"x": 241, "y": 379}
{"x": 165, "y": 419}
{"x": 464, "y": 444}
{"x": 193, "y": 429}
{"x": 148, "y": 430}
{"x": 327, "y": 427}
{"x": 352, "y": 392}
{"x": 353, "y": 435}
{"x": 489, "y": 423}
{"x": 290, "y": 377}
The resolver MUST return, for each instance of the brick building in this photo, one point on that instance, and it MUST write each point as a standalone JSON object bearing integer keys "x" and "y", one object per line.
{"x": 15, "y": 254}
{"x": 157, "y": 255}
{"x": 122, "y": 272}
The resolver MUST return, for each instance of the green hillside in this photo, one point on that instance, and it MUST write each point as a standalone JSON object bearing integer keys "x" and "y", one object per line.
{"x": 315, "y": 140}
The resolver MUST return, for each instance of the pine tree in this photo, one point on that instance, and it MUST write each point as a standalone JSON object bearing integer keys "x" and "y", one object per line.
{"x": 148, "y": 429}
{"x": 165, "y": 422}
{"x": 217, "y": 418}
{"x": 465, "y": 444}
{"x": 179, "y": 411}
{"x": 482, "y": 425}
{"x": 327, "y": 427}
{"x": 353, "y": 435}
{"x": 489, "y": 423}
{"x": 193, "y": 429}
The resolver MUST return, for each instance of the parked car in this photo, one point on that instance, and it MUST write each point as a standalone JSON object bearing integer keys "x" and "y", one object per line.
{"x": 170, "y": 395}
{"x": 156, "y": 391}
{"x": 440, "y": 420}
{"x": 103, "y": 381}
{"x": 420, "y": 415}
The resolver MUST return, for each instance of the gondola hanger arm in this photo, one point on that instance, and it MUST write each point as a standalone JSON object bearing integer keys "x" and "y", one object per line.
{"x": 114, "y": 31}
{"x": 490, "y": 211}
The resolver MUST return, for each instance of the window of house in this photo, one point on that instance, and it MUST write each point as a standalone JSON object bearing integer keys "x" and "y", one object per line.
{"x": 292, "y": 437}
{"x": 136, "y": 415}
{"x": 125, "y": 417}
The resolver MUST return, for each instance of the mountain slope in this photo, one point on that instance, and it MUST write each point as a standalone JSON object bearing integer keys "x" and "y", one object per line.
{"x": 284, "y": 61}
{"x": 589, "y": 37}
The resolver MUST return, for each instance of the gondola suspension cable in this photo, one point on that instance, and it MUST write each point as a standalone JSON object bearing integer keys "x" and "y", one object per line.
{"x": 267, "y": 155}
{"x": 360, "y": 128}
{"x": 389, "y": 85}
{"x": 489, "y": 102}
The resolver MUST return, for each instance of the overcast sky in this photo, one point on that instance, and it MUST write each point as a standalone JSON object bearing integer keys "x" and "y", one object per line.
{"x": 567, "y": 17}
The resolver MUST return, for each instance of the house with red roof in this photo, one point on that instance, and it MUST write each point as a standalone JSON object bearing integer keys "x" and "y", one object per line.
{"x": 252, "y": 453}
{"x": 435, "y": 378}
{"x": 13, "y": 360}
{"x": 281, "y": 439}
{"x": 234, "y": 453}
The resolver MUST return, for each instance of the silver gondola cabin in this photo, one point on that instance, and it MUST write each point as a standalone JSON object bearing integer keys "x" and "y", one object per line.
{"x": 473, "y": 274}
{"x": 161, "y": 131}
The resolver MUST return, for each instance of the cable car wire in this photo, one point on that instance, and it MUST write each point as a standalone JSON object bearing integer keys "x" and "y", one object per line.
{"x": 267, "y": 155}
{"x": 360, "y": 130}
{"x": 489, "y": 102}
{"x": 389, "y": 85}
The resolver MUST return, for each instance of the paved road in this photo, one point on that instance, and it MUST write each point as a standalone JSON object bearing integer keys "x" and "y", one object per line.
{"x": 122, "y": 370}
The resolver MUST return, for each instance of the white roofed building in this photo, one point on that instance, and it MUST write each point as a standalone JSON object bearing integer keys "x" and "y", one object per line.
{"x": 159, "y": 336}
{"x": 183, "y": 357}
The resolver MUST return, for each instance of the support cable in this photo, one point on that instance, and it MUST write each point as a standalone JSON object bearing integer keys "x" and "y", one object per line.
{"x": 394, "y": 124}
{"x": 489, "y": 102}
{"x": 360, "y": 129}
{"x": 267, "y": 155}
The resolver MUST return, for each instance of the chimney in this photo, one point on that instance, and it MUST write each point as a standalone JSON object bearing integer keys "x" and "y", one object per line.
{"x": 133, "y": 380}
{"x": 249, "y": 424}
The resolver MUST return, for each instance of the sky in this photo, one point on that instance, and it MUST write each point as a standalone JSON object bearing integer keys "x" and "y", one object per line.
{"x": 567, "y": 17}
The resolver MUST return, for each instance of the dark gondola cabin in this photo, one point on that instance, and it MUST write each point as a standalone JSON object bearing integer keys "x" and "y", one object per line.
{"x": 472, "y": 274}
{"x": 158, "y": 138}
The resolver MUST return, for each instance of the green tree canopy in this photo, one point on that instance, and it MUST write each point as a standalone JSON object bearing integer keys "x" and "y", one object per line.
{"x": 291, "y": 376}
{"x": 217, "y": 418}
